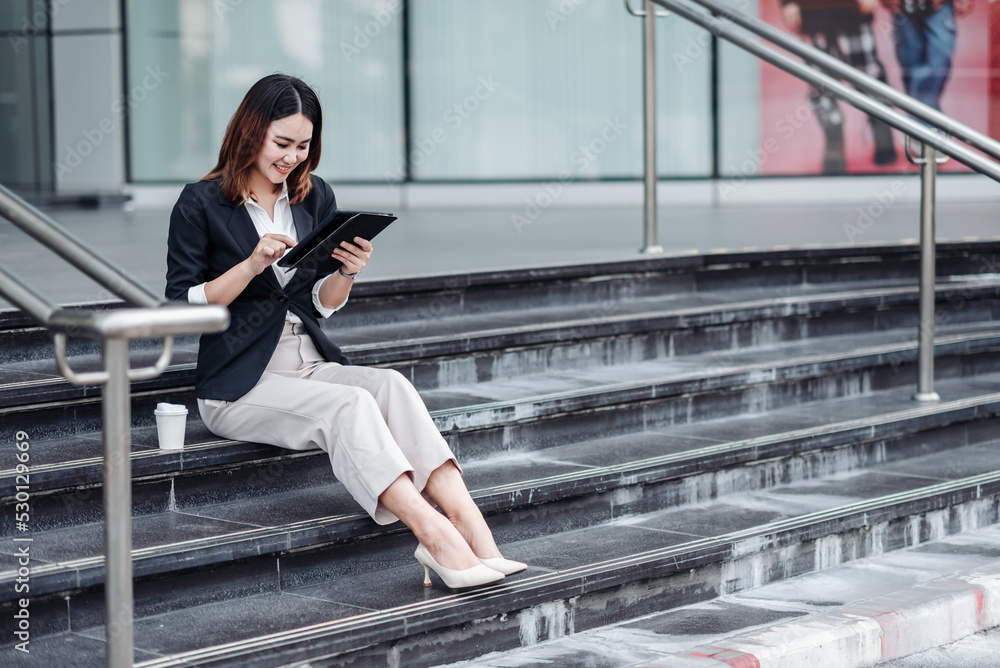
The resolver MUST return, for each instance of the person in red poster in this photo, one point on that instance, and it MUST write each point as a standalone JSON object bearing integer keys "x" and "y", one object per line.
{"x": 993, "y": 67}
{"x": 843, "y": 29}
{"x": 925, "y": 43}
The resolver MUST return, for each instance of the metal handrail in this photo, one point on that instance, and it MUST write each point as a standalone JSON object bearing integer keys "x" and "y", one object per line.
{"x": 152, "y": 317}
{"x": 861, "y": 80}
{"x": 54, "y": 237}
{"x": 23, "y": 296}
{"x": 932, "y": 132}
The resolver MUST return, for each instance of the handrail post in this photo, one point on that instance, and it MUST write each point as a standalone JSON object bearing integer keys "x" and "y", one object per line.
{"x": 117, "y": 505}
{"x": 650, "y": 243}
{"x": 925, "y": 340}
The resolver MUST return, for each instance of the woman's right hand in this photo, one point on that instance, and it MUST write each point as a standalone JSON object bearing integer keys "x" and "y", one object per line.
{"x": 268, "y": 250}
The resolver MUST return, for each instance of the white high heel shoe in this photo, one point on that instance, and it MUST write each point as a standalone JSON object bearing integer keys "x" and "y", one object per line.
{"x": 455, "y": 579}
{"x": 505, "y": 566}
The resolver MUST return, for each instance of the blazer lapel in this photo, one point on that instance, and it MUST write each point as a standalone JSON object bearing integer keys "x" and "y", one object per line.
{"x": 246, "y": 237}
{"x": 241, "y": 227}
{"x": 303, "y": 221}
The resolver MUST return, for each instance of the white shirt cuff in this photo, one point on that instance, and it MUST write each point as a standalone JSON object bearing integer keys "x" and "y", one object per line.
{"x": 196, "y": 294}
{"x": 322, "y": 310}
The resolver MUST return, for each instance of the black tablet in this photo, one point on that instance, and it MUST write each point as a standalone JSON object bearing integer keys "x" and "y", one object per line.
{"x": 313, "y": 252}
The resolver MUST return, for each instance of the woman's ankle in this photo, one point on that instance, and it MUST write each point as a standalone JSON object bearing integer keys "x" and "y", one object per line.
{"x": 448, "y": 547}
{"x": 477, "y": 535}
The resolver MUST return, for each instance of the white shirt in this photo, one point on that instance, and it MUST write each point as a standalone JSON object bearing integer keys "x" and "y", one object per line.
{"x": 283, "y": 223}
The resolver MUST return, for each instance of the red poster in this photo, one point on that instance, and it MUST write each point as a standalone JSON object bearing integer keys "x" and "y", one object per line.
{"x": 815, "y": 137}
{"x": 994, "y": 70}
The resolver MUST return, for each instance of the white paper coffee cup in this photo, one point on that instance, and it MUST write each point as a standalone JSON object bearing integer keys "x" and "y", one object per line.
{"x": 171, "y": 420}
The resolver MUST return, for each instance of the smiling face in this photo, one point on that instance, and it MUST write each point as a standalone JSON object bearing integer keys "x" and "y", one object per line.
{"x": 286, "y": 145}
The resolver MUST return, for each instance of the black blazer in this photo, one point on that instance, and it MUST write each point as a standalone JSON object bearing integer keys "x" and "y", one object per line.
{"x": 209, "y": 235}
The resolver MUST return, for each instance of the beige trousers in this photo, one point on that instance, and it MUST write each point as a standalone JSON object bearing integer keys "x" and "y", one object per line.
{"x": 371, "y": 422}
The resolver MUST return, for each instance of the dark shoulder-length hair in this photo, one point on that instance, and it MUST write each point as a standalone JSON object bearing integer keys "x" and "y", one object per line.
{"x": 273, "y": 97}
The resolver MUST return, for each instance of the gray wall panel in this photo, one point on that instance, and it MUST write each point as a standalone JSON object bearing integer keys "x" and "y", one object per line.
{"x": 85, "y": 15}
{"x": 89, "y": 126}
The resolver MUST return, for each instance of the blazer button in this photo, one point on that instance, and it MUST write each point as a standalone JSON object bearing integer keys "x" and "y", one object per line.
{"x": 282, "y": 299}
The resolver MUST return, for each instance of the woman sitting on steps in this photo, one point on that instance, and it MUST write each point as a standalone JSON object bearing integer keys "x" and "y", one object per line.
{"x": 273, "y": 376}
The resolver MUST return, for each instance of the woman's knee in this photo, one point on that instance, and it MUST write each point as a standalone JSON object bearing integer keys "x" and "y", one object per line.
{"x": 392, "y": 380}
{"x": 348, "y": 401}
{"x": 390, "y": 376}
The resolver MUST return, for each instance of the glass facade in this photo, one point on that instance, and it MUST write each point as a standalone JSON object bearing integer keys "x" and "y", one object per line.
{"x": 542, "y": 89}
{"x": 518, "y": 90}
{"x": 212, "y": 52}
{"x": 454, "y": 91}
{"x": 739, "y": 104}
{"x": 484, "y": 90}
{"x": 25, "y": 110}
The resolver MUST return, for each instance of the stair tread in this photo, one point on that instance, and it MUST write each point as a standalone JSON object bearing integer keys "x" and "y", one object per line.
{"x": 687, "y": 305}
{"x": 672, "y": 369}
{"x": 619, "y": 486}
{"x": 395, "y": 590}
{"x": 299, "y": 517}
{"x": 474, "y": 324}
{"x": 594, "y": 311}
{"x": 38, "y": 380}
{"x": 84, "y": 451}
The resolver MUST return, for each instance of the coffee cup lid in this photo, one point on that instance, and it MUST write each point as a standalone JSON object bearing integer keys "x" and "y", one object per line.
{"x": 164, "y": 408}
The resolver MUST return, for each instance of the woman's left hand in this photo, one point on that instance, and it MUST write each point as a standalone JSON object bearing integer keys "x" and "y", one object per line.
{"x": 354, "y": 256}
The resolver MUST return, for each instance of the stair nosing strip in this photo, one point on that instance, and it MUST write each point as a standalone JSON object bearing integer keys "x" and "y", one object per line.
{"x": 134, "y": 455}
{"x": 159, "y": 551}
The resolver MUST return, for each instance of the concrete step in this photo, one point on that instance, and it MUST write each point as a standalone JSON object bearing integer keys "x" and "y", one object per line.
{"x": 540, "y": 411}
{"x": 428, "y": 299}
{"x": 614, "y": 422}
{"x": 502, "y": 345}
{"x": 580, "y": 578}
{"x": 684, "y": 305}
{"x": 192, "y": 525}
{"x": 563, "y": 488}
{"x": 461, "y": 354}
{"x": 855, "y": 615}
